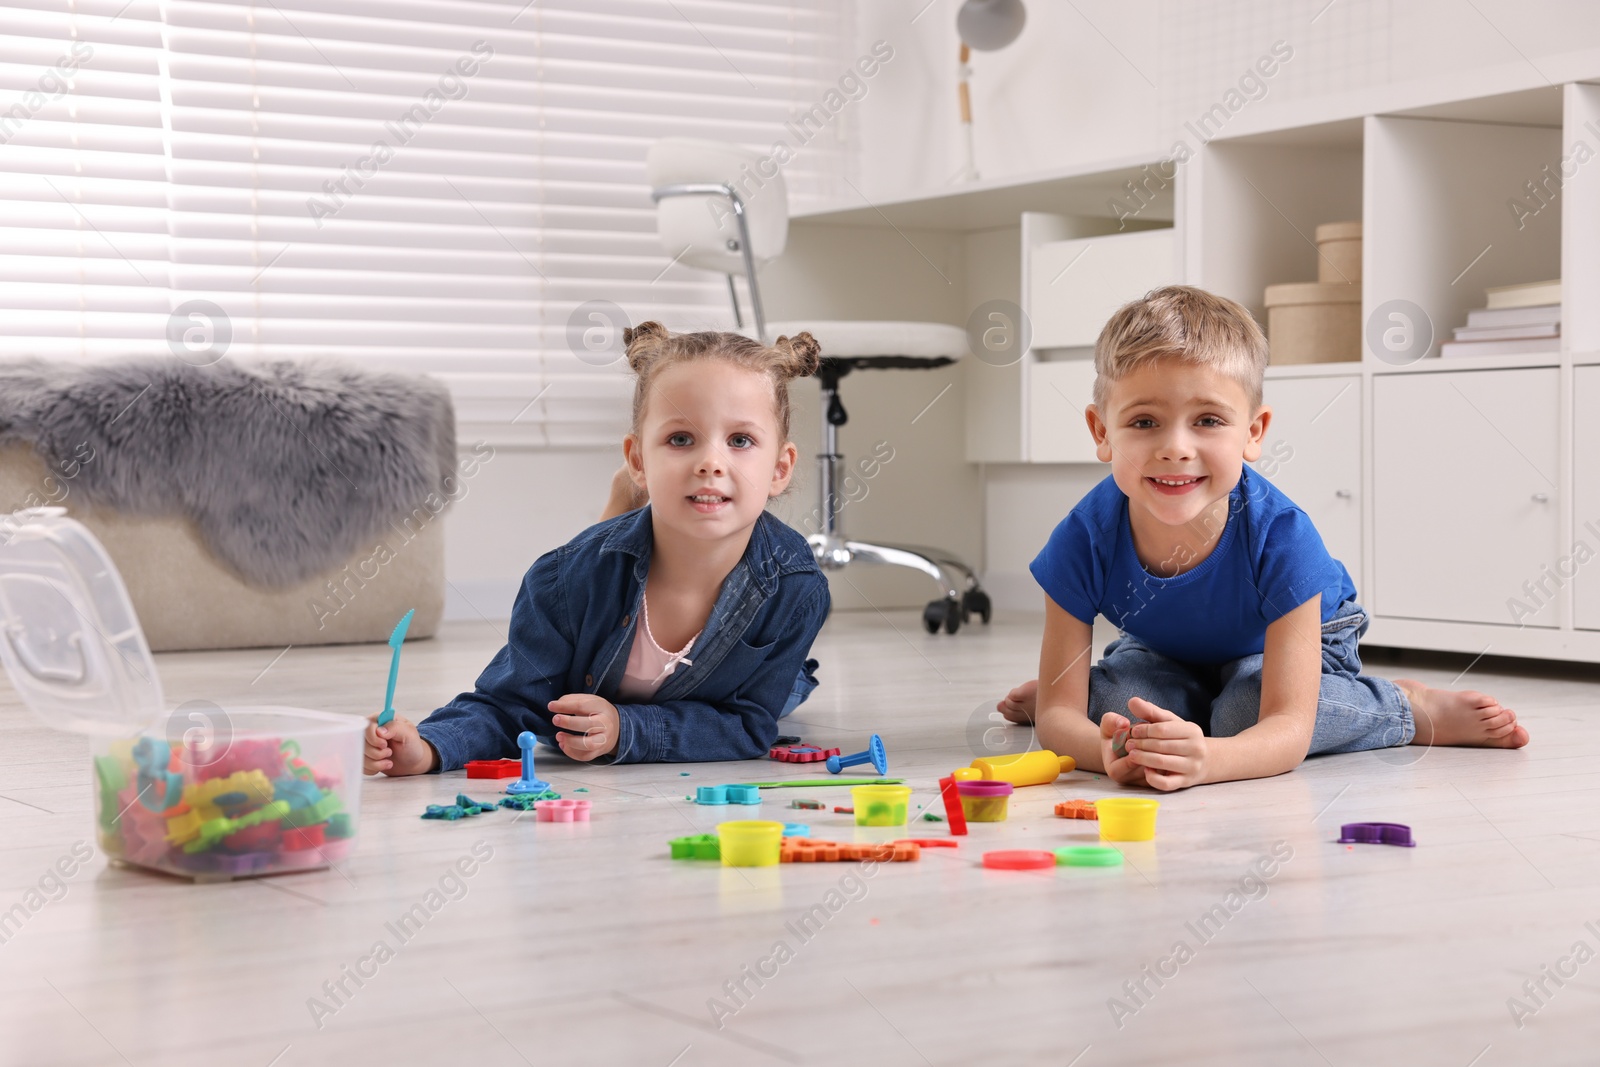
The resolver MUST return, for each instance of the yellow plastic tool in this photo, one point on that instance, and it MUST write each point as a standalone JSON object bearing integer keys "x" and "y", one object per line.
{"x": 1026, "y": 768}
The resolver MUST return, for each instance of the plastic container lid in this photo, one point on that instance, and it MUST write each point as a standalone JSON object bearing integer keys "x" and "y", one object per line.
{"x": 1376, "y": 833}
{"x": 69, "y": 638}
{"x": 1294, "y": 293}
{"x": 1339, "y": 231}
{"x": 1019, "y": 859}
{"x": 1088, "y": 856}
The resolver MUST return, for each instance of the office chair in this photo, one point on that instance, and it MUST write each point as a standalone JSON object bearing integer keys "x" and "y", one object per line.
{"x": 706, "y": 221}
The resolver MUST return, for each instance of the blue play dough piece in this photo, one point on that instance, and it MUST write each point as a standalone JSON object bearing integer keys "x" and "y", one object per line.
{"x": 796, "y": 829}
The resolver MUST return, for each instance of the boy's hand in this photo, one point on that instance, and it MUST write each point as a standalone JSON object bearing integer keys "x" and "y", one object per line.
{"x": 592, "y": 717}
{"x": 1171, "y": 751}
{"x": 396, "y": 749}
{"x": 1120, "y": 768}
{"x": 1018, "y": 705}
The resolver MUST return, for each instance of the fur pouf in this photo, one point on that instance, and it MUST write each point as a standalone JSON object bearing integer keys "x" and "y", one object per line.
{"x": 286, "y": 467}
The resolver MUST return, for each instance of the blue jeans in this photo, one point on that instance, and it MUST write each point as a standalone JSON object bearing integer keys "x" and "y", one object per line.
{"x": 803, "y": 685}
{"x": 1355, "y": 712}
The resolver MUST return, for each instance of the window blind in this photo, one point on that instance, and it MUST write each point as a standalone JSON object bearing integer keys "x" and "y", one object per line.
{"x": 423, "y": 185}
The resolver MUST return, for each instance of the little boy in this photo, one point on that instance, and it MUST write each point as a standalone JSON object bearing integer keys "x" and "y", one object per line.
{"x": 1238, "y": 655}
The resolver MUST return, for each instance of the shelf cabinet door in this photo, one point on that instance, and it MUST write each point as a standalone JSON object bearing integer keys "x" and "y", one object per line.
{"x": 1058, "y": 392}
{"x": 1586, "y": 499}
{"x": 1077, "y": 284}
{"x": 1312, "y": 452}
{"x": 1465, "y": 513}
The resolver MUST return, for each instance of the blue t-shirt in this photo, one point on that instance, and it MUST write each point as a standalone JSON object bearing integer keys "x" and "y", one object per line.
{"x": 1268, "y": 561}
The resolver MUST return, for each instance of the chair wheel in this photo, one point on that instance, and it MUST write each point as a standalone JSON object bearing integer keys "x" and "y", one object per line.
{"x": 976, "y": 601}
{"x": 945, "y": 613}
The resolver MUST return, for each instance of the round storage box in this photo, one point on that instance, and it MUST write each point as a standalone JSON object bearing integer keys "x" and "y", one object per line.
{"x": 1313, "y": 322}
{"x": 1339, "y": 252}
{"x": 202, "y": 791}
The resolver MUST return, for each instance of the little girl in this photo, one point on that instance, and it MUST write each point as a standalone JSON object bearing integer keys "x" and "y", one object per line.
{"x": 677, "y": 632}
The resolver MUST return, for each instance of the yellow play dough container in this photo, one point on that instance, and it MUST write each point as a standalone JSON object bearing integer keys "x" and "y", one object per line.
{"x": 881, "y": 805}
{"x": 1127, "y": 818}
{"x": 750, "y": 842}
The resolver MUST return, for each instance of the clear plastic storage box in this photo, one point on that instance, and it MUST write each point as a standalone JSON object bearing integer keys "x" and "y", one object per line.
{"x": 200, "y": 791}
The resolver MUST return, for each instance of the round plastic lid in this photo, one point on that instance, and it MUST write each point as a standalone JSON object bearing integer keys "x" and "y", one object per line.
{"x": 1019, "y": 859}
{"x": 69, "y": 638}
{"x": 1088, "y": 856}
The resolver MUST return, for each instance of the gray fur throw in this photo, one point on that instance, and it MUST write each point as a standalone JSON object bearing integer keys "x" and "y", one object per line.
{"x": 287, "y": 467}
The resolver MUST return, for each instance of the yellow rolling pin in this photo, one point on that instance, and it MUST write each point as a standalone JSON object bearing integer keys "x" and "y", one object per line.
{"x": 1026, "y": 768}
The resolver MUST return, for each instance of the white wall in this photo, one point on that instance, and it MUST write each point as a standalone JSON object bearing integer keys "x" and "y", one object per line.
{"x": 1110, "y": 79}
{"x": 1088, "y": 81}
{"x": 520, "y": 505}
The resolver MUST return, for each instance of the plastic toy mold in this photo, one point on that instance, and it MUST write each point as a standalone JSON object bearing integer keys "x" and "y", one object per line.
{"x": 494, "y": 768}
{"x": 874, "y": 753}
{"x": 727, "y": 794}
{"x": 805, "y": 850}
{"x": 1376, "y": 833}
{"x": 528, "y": 783}
{"x": 562, "y": 810}
{"x": 952, "y": 806}
{"x": 696, "y": 847}
{"x": 1077, "y": 809}
{"x": 801, "y": 753}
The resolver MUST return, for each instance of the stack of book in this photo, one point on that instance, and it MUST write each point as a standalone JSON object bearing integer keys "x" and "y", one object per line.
{"x": 1518, "y": 320}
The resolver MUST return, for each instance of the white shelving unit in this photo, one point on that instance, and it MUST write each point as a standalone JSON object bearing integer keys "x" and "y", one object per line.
{"x": 1453, "y": 490}
{"x": 1462, "y": 494}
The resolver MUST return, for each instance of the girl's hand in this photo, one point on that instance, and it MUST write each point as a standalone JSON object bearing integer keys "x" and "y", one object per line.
{"x": 594, "y": 724}
{"x": 1120, "y": 766}
{"x": 1171, "y": 751}
{"x": 396, "y": 749}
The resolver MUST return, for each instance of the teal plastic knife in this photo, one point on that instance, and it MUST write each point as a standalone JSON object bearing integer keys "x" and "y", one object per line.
{"x": 396, "y": 639}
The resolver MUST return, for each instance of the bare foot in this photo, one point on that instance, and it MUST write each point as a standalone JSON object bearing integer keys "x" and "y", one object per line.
{"x": 625, "y": 496}
{"x": 1018, "y": 705}
{"x": 1461, "y": 717}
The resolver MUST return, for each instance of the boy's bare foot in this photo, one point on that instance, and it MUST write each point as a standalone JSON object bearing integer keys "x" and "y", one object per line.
{"x": 1018, "y": 705}
{"x": 1461, "y": 717}
{"x": 625, "y": 496}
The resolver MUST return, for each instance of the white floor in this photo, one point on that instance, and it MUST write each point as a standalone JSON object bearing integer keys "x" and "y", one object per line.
{"x": 586, "y": 945}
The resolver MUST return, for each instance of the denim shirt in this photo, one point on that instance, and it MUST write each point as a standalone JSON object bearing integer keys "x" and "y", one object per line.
{"x": 572, "y": 628}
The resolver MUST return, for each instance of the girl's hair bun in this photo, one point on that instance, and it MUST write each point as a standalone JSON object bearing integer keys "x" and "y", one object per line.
{"x": 803, "y": 355}
{"x": 644, "y": 343}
